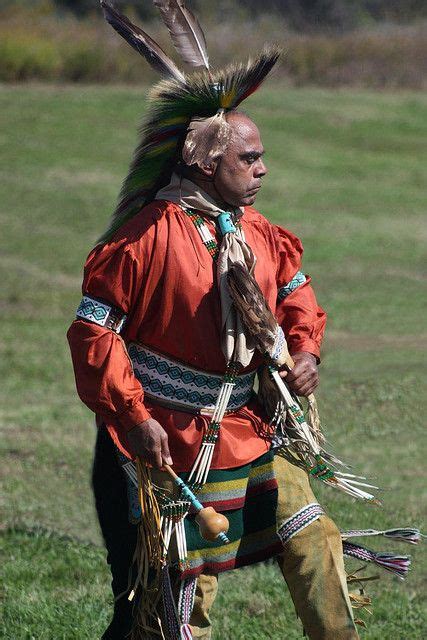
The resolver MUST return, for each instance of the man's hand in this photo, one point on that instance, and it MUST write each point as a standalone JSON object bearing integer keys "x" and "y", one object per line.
{"x": 304, "y": 378}
{"x": 149, "y": 441}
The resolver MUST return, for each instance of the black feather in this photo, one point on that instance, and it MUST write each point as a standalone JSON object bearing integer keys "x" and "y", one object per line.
{"x": 142, "y": 42}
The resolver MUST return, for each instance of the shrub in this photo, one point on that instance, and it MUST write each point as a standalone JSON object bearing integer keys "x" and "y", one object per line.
{"x": 39, "y": 46}
{"x": 24, "y": 57}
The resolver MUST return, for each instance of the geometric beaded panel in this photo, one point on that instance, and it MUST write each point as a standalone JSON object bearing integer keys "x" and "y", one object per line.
{"x": 298, "y": 279}
{"x": 163, "y": 378}
{"x": 100, "y": 313}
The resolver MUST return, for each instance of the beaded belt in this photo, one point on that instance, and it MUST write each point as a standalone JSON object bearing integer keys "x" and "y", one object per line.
{"x": 179, "y": 386}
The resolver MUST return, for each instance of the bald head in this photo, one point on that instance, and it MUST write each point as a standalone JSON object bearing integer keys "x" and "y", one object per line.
{"x": 237, "y": 176}
{"x": 241, "y": 124}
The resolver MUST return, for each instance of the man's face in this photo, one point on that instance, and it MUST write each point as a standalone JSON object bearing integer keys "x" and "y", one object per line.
{"x": 238, "y": 175}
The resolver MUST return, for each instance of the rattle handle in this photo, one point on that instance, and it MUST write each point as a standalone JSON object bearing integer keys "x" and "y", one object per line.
{"x": 185, "y": 490}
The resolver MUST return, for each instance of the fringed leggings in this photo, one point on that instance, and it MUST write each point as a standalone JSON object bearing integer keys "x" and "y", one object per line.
{"x": 311, "y": 562}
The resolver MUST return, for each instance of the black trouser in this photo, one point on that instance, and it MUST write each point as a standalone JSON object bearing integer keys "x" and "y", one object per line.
{"x": 109, "y": 487}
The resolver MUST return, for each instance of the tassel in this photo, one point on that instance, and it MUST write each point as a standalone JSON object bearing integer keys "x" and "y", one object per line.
{"x": 360, "y": 601}
{"x": 313, "y": 419}
{"x": 313, "y": 455}
{"x": 200, "y": 469}
{"x": 401, "y": 534}
{"x": 399, "y": 565}
{"x": 361, "y": 623}
{"x": 148, "y": 558}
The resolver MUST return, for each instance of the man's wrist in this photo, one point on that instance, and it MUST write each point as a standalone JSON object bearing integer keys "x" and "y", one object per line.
{"x": 134, "y": 417}
{"x": 307, "y": 346}
{"x": 306, "y": 355}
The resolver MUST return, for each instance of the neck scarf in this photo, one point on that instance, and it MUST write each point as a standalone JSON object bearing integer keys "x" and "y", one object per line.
{"x": 236, "y": 346}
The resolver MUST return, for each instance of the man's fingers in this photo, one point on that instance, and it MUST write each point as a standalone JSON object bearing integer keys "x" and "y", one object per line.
{"x": 301, "y": 381}
{"x": 305, "y": 384}
{"x": 300, "y": 369}
{"x": 307, "y": 389}
{"x": 165, "y": 449}
{"x": 303, "y": 378}
{"x": 158, "y": 458}
{"x": 149, "y": 441}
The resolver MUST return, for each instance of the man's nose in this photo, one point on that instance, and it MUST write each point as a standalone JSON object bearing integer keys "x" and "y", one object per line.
{"x": 260, "y": 169}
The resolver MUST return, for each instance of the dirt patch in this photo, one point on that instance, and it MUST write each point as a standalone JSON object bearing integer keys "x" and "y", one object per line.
{"x": 70, "y": 178}
{"x": 37, "y": 273}
{"x": 357, "y": 342}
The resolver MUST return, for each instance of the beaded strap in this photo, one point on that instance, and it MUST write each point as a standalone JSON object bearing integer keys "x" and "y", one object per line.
{"x": 204, "y": 232}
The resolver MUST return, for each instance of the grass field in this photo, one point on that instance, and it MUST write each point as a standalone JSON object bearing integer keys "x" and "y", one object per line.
{"x": 348, "y": 175}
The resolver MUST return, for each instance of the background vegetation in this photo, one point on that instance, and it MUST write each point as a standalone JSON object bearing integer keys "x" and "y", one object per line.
{"x": 347, "y": 174}
{"x": 371, "y": 43}
{"x": 298, "y": 14}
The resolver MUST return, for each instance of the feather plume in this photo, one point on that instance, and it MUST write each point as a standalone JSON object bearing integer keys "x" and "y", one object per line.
{"x": 241, "y": 81}
{"x": 186, "y": 33}
{"x": 141, "y": 42}
{"x": 206, "y": 139}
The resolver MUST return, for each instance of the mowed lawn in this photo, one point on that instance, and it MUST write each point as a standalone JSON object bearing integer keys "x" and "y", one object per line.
{"x": 348, "y": 175}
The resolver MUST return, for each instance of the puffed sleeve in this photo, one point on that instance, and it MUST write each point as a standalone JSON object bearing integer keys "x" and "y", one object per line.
{"x": 104, "y": 375}
{"x": 301, "y": 318}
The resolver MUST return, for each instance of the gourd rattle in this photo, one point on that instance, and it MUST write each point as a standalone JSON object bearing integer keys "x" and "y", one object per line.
{"x": 212, "y": 525}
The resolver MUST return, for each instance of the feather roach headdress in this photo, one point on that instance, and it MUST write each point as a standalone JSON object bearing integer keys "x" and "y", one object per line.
{"x": 185, "y": 116}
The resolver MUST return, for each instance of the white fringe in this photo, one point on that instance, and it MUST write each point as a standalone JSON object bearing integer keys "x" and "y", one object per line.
{"x": 202, "y": 464}
{"x": 290, "y": 402}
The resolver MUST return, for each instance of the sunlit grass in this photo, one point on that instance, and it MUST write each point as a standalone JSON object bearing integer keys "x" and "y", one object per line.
{"x": 347, "y": 174}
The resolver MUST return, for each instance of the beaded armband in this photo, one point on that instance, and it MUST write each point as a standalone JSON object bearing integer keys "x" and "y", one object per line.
{"x": 298, "y": 279}
{"x": 101, "y": 313}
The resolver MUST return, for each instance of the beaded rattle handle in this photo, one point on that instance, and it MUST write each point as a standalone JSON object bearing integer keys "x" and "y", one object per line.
{"x": 213, "y": 525}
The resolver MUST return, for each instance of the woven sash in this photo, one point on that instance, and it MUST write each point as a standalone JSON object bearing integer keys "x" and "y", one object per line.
{"x": 181, "y": 387}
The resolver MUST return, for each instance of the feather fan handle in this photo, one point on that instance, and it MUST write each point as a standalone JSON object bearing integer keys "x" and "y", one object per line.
{"x": 186, "y": 33}
{"x": 141, "y": 42}
{"x": 255, "y": 313}
{"x": 257, "y": 316}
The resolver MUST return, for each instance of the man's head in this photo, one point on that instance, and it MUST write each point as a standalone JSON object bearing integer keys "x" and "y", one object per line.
{"x": 235, "y": 177}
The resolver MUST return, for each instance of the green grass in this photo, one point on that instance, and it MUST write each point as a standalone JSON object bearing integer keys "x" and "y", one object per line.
{"x": 347, "y": 174}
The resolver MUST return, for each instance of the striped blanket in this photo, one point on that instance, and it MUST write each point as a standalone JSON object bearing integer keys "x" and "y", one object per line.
{"x": 248, "y": 495}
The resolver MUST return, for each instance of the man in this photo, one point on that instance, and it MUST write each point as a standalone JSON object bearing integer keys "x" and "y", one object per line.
{"x": 156, "y": 272}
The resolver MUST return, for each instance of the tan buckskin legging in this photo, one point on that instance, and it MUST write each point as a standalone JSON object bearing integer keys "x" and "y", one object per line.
{"x": 311, "y": 563}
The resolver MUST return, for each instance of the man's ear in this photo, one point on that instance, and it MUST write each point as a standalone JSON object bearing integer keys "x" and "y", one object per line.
{"x": 209, "y": 169}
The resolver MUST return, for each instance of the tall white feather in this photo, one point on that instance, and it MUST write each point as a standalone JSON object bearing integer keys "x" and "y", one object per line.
{"x": 185, "y": 30}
